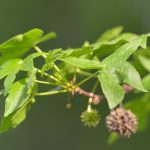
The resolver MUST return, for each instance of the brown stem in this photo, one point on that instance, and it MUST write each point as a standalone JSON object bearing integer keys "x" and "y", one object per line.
{"x": 127, "y": 88}
{"x": 96, "y": 99}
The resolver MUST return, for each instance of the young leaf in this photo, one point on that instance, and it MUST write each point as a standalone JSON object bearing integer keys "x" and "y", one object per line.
{"x": 82, "y": 63}
{"x": 110, "y": 34}
{"x": 19, "y": 45}
{"x": 110, "y": 86}
{"x": 10, "y": 67}
{"x": 48, "y": 36}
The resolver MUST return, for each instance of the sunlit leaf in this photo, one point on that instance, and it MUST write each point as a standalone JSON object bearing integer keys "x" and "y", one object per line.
{"x": 48, "y": 36}
{"x": 8, "y": 82}
{"x": 82, "y": 63}
{"x": 17, "y": 95}
{"x": 19, "y": 45}
{"x": 10, "y": 67}
{"x": 145, "y": 62}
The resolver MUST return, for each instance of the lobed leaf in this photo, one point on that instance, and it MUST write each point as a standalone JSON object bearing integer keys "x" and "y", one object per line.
{"x": 19, "y": 45}
{"x": 124, "y": 52}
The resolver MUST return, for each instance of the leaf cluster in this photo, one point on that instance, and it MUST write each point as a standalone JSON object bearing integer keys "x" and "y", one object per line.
{"x": 115, "y": 59}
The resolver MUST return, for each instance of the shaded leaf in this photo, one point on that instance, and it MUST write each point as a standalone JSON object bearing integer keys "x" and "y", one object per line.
{"x": 141, "y": 107}
{"x": 15, "y": 118}
{"x": 107, "y": 45}
{"x": 129, "y": 75}
{"x": 146, "y": 82}
{"x": 113, "y": 137}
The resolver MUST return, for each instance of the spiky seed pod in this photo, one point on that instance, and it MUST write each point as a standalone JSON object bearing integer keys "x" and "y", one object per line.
{"x": 122, "y": 121}
{"x": 90, "y": 118}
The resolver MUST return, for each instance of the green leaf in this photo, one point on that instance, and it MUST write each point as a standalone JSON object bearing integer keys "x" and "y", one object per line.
{"x": 110, "y": 34}
{"x": 48, "y": 36}
{"x": 8, "y": 82}
{"x": 19, "y": 45}
{"x": 17, "y": 96}
{"x": 82, "y": 63}
{"x": 141, "y": 107}
{"x": 146, "y": 82}
{"x": 129, "y": 75}
{"x": 103, "y": 49}
{"x": 80, "y": 52}
{"x": 27, "y": 64}
{"x": 123, "y": 53}
{"x": 113, "y": 137}
{"x": 145, "y": 62}
{"x": 110, "y": 86}
{"x": 10, "y": 67}
{"x": 14, "y": 119}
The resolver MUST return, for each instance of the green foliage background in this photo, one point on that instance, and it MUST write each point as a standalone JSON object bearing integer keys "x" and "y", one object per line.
{"x": 49, "y": 125}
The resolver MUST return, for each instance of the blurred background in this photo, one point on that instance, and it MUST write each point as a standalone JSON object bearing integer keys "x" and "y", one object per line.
{"x": 49, "y": 125}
